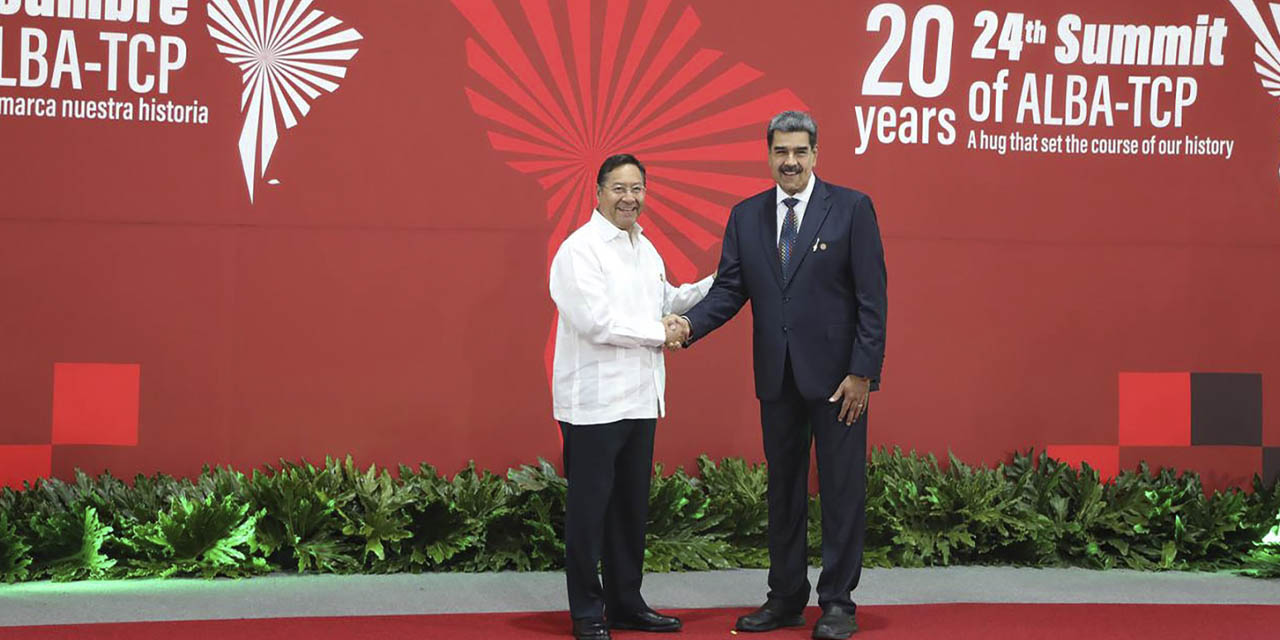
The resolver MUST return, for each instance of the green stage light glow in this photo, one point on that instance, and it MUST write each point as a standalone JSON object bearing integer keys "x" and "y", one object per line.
{"x": 1274, "y": 536}
{"x": 113, "y": 587}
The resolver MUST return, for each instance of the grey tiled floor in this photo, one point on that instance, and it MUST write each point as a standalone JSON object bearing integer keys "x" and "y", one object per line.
{"x": 292, "y": 595}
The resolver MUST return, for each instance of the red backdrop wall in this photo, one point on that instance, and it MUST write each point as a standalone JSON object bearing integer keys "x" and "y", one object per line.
{"x": 383, "y": 293}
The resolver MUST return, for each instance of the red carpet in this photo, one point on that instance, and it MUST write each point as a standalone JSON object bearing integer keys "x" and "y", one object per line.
{"x": 943, "y": 621}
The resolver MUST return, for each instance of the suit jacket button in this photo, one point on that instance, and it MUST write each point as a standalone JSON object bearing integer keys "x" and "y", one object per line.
{"x": 784, "y": 328}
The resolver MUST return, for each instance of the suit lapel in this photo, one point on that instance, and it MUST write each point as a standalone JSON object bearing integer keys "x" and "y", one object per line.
{"x": 769, "y": 233}
{"x": 814, "y": 215}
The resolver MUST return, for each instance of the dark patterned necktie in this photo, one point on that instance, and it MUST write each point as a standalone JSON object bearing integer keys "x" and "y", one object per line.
{"x": 790, "y": 229}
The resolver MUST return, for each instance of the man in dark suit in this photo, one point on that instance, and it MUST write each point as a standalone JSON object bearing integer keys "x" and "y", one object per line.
{"x": 807, "y": 255}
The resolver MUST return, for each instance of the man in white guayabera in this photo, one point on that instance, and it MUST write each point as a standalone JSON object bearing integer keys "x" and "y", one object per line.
{"x": 611, "y": 289}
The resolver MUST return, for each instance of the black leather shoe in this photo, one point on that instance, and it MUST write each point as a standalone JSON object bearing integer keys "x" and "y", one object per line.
{"x": 590, "y": 629}
{"x": 771, "y": 615}
{"x": 647, "y": 620}
{"x": 836, "y": 623}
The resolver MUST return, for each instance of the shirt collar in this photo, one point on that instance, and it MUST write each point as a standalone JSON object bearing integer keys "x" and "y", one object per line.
{"x": 607, "y": 231}
{"x": 804, "y": 194}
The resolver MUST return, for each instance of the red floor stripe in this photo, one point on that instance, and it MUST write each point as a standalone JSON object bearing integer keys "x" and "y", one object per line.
{"x": 942, "y": 621}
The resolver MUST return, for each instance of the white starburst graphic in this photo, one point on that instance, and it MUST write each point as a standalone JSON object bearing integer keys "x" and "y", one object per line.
{"x": 287, "y": 53}
{"x": 1268, "y": 63}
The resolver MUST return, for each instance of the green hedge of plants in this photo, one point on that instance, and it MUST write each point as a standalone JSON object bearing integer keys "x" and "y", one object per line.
{"x": 339, "y": 518}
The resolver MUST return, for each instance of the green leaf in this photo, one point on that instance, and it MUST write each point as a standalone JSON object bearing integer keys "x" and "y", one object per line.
{"x": 1167, "y": 554}
{"x": 14, "y": 552}
{"x": 210, "y": 537}
{"x": 68, "y": 545}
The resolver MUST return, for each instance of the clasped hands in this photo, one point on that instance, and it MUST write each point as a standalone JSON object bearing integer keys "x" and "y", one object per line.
{"x": 678, "y": 331}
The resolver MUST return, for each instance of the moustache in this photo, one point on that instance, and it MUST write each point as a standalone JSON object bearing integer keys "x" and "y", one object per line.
{"x": 790, "y": 169}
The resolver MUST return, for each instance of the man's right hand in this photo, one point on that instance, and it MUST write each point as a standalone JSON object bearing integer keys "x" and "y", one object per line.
{"x": 677, "y": 331}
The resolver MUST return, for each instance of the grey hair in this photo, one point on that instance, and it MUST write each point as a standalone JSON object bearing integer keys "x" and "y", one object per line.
{"x": 792, "y": 121}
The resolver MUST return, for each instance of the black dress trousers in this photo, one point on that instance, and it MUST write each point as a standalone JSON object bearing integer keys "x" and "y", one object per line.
{"x": 790, "y": 424}
{"x": 608, "y": 467}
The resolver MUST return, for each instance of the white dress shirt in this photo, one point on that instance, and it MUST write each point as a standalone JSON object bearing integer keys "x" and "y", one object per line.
{"x": 803, "y": 197}
{"x": 611, "y": 289}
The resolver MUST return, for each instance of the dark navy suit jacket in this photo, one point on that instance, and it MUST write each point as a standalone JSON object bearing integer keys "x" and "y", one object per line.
{"x": 828, "y": 310}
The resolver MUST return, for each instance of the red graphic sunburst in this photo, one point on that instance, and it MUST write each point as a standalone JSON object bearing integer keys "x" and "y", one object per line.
{"x": 562, "y": 89}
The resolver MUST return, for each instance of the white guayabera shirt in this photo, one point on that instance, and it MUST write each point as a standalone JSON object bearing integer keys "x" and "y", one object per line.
{"x": 611, "y": 289}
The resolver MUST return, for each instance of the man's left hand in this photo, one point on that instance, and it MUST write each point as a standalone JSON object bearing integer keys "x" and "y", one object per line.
{"x": 852, "y": 393}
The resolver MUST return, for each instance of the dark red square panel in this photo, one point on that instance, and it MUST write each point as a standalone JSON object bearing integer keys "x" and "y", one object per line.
{"x": 95, "y": 403}
{"x": 1103, "y": 457}
{"x": 24, "y": 462}
{"x": 1155, "y": 409}
{"x": 1270, "y": 465}
{"x": 1226, "y": 408}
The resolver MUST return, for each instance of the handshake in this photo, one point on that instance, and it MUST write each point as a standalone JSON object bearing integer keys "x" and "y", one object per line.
{"x": 678, "y": 331}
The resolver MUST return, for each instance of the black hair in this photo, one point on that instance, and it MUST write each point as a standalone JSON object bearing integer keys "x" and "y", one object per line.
{"x": 615, "y": 161}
